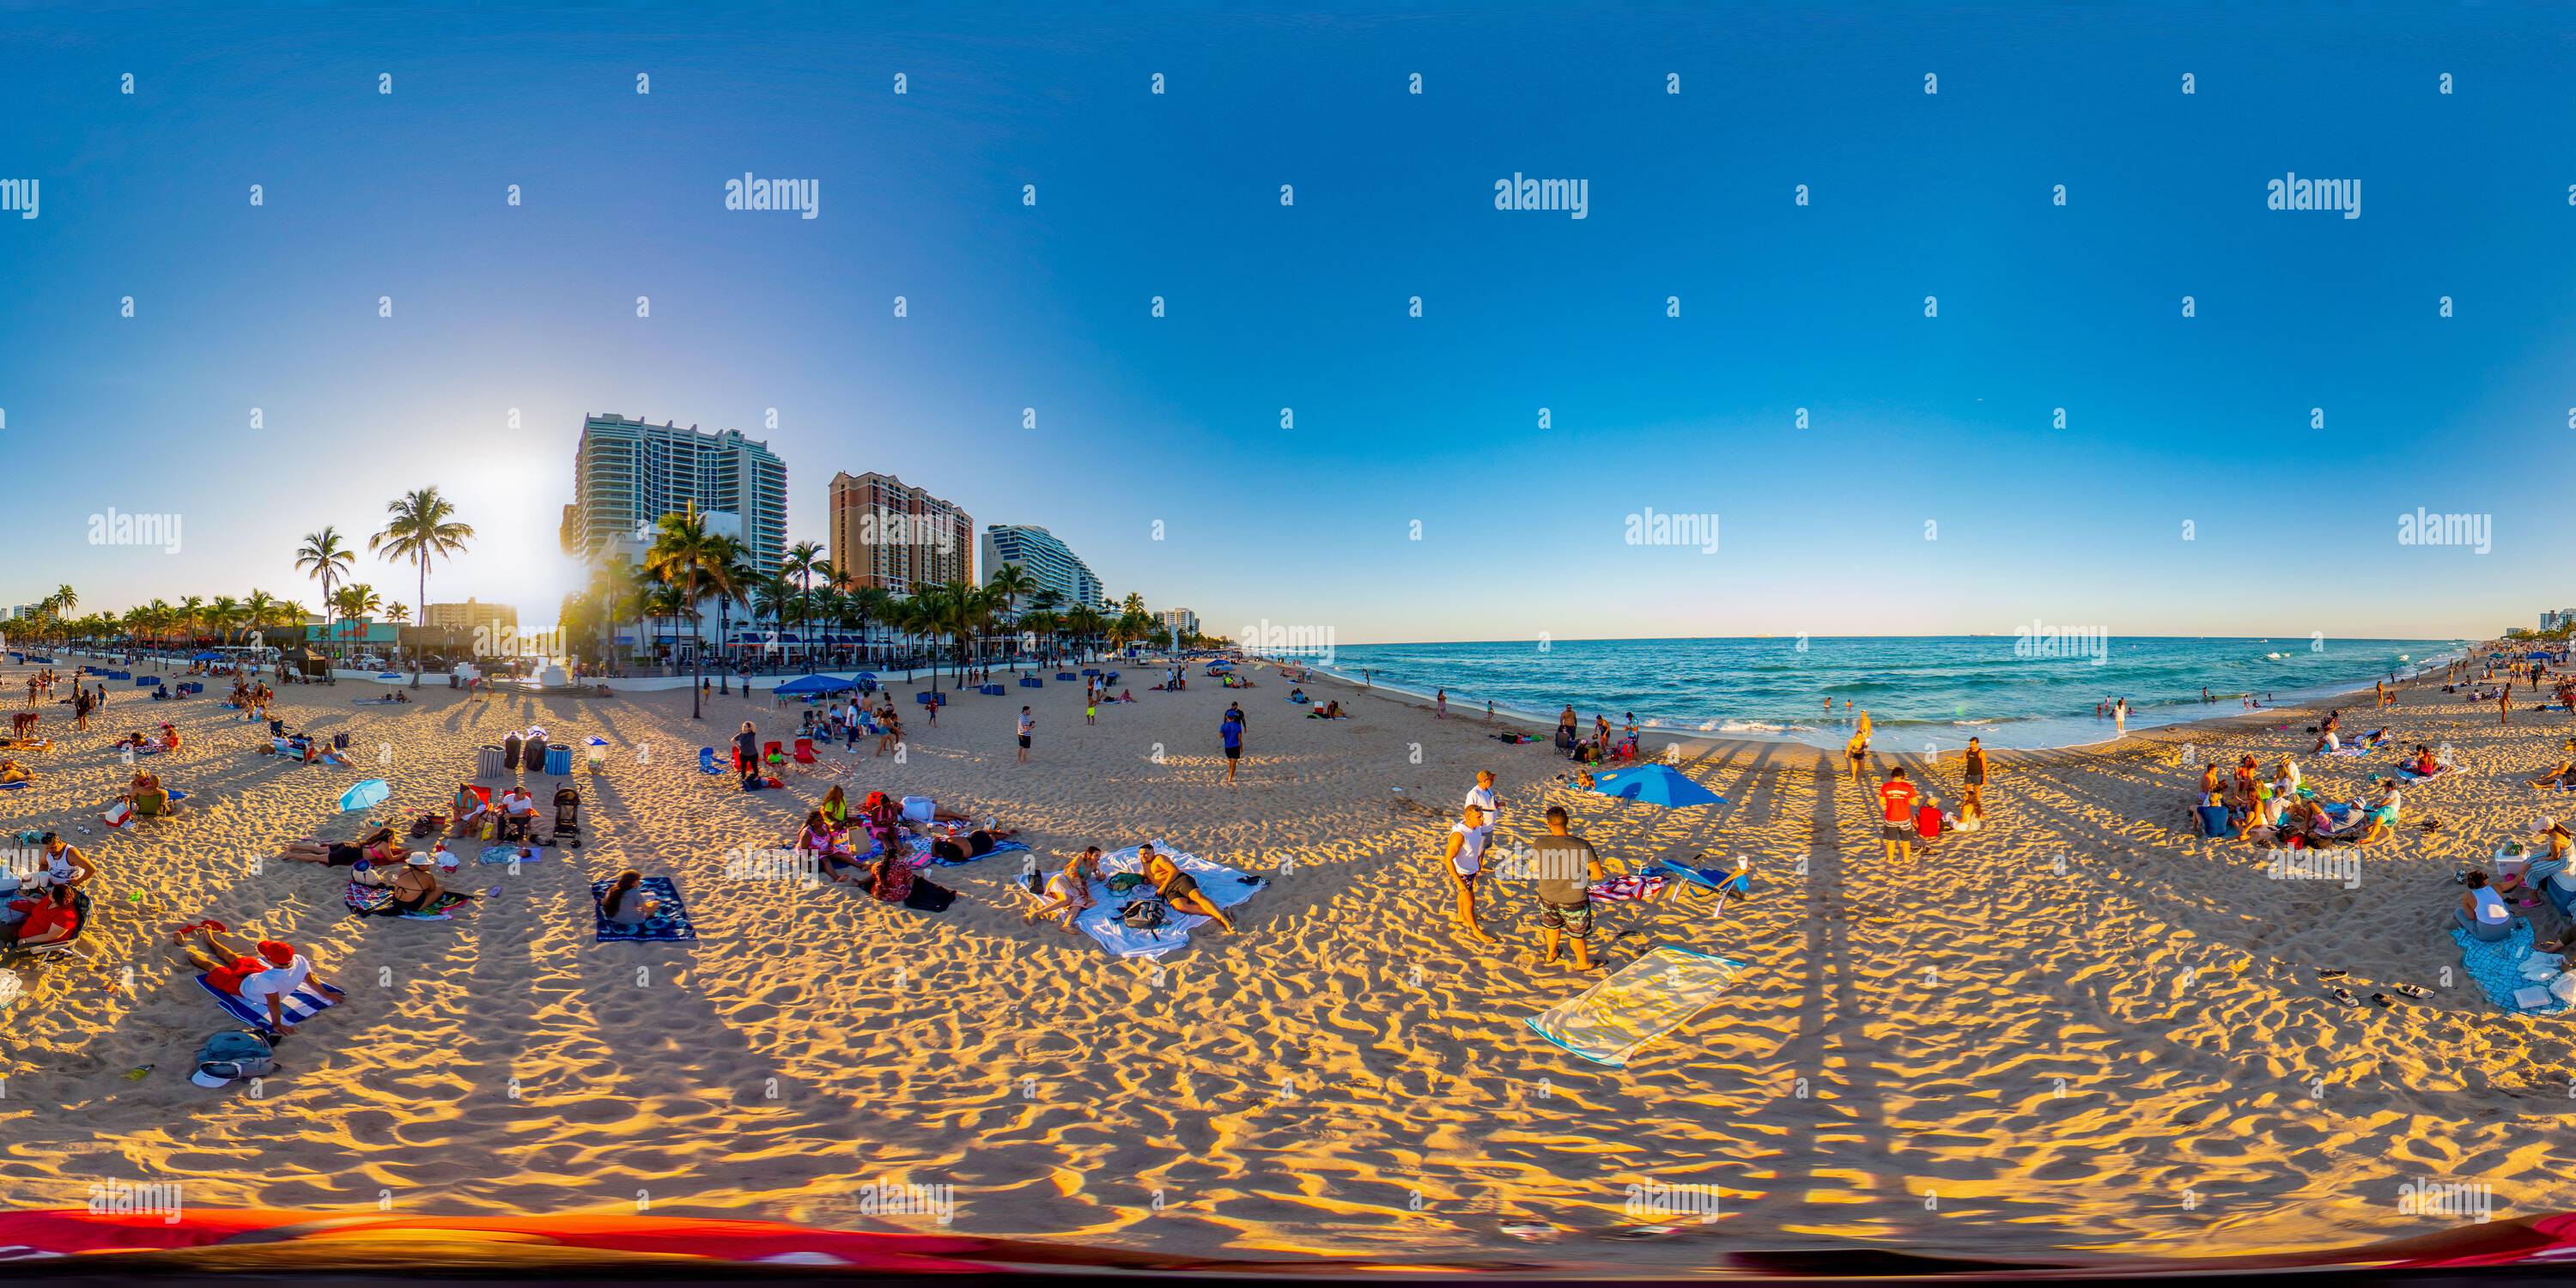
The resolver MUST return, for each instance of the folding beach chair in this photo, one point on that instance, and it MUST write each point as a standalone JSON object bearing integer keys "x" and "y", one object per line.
{"x": 80, "y": 931}
{"x": 707, "y": 761}
{"x": 805, "y": 750}
{"x": 1717, "y": 883}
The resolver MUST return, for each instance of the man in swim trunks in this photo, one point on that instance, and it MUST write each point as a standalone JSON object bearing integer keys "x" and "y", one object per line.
{"x": 1463, "y": 856}
{"x": 1972, "y": 804}
{"x": 1896, "y": 799}
{"x": 1230, "y": 732}
{"x": 1178, "y": 888}
{"x": 1856, "y": 752}
{"x": 270, "y": 977}
{"x": 1566, "y": 867}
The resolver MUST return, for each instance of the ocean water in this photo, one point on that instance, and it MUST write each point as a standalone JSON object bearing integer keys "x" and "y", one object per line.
{"x": 2009, "y": 691}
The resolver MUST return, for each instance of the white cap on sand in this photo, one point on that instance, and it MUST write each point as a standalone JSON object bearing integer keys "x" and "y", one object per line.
{"x": 205, "y": 1079}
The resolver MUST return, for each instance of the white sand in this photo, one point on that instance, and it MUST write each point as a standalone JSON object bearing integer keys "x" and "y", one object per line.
{"x": 1981, "y": 1053}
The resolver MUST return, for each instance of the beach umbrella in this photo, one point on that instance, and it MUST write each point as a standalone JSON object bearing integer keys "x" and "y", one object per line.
{"x": 365, "y": 795}
{"x": 1656, "y": 785}
{"x": 814, "y": 684}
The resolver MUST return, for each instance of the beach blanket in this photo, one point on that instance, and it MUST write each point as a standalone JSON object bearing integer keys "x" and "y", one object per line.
{"x": 1647, "y": 998}
{"x": 2407, "y": 772}
{"x": 2497, "y": 967}
{"x": 1225, "y": 887}
{"x": 668, "y": 926}
{"x": 505, "y": 853}
{"x": 1616, "y": 888}
{"x": 298, "y": 1006}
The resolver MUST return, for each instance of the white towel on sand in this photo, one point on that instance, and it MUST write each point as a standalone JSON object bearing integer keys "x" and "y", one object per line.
{"x": 1224, "y": 886}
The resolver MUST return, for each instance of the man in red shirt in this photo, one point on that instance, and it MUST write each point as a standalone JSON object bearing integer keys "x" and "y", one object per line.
{"x": 50, "y": 919}
{"x": 1896, "y": 799}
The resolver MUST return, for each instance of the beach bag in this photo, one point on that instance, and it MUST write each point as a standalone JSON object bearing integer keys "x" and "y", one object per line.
{"x": 1144, "y": 914}
{"x": 233, "y": 1055}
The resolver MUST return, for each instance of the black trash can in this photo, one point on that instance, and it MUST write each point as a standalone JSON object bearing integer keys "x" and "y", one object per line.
{"x": 510, "y": 748}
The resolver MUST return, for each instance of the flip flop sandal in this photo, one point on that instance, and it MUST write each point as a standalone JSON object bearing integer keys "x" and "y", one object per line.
{"x": 1532, "y": 1231}
{"x": 2414, "y": 990}
{"x": 2382, "y": 1000}
{"x": 2332, "y": 972}
{"x": 2344, "y": 995}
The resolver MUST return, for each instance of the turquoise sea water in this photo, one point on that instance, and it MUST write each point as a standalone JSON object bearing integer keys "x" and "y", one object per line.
{"x": 2010, "y": 691}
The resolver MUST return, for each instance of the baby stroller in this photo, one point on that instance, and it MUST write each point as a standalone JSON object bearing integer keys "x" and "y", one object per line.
{"x": 568, "y": 815}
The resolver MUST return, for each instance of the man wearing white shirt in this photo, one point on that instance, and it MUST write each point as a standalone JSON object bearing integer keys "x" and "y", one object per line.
{"x": 1481, "y": 798}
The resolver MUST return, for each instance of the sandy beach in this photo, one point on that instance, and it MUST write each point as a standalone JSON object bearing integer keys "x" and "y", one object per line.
{"x": 2079, "y": 1028}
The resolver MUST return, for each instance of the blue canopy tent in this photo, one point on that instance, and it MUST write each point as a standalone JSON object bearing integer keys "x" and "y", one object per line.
{"x": 208, "y": 656}
{"x": 816, "y": 684}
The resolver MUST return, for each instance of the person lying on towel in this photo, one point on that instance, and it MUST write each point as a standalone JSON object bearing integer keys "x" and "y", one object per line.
{"x": 13, "y": 772}
{"x": 2563, "y": 776}
{"x": 973, "y": 845}
{"x": 268, "y": 978}
{"x": 1178, "y": 888}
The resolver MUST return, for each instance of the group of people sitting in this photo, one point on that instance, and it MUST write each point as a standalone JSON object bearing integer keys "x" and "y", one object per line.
{"x": 148, "y": 797}
{"x": 2518, "y": 880}
{"x": 832, "y": 834}
{"x": 49, "y": 912}
{"x": 2278, "y": 813}
{"x": 1331, "y": 710}
{"x": 145, "y": 744}
{"x": 513, "y": 817}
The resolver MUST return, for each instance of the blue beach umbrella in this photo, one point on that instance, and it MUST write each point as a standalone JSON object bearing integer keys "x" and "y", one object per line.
{"x": 1656, "y": 785}
{"x": 365, "y": 795}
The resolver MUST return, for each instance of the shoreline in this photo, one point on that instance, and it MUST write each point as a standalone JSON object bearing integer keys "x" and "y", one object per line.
{"x": 1831, "y": 738}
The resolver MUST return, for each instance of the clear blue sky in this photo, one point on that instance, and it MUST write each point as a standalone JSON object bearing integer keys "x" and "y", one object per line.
{"x": 1397, "y": 419}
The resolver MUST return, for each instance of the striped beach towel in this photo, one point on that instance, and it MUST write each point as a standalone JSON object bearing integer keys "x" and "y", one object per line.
{"x": 301, "y": 1005}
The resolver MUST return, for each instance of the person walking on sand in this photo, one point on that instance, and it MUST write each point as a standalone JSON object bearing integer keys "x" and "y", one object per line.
{"x": 1463, "y": 856}
{"x": 1230, "y": 732}
{"x": 1027, "y": 723}
{"x": 1440, "y": 705}
{"x": 1856, "y": 752}
{"x": 2504, "y": 705}
{"x": 1896, "y": 799}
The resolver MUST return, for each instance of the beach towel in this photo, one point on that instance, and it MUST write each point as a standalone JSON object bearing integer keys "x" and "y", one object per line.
{"x": 1647, "y": 998}
{"x": 2408, "y": 773}
{"x": 298, "y": 1006}
{"x": 2496, "y": 965}
{"x": 1616, "y": 888}
{"x": 505, "y": 853}
{"x": 1225, "y": 887}
{"x": 668, "y": 926}
{"x": 999, "y": 847}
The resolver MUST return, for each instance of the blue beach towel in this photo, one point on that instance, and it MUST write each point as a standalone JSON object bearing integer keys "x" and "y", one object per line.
{"x": 299, "y": 1006}
{"x": 669, "y": 926}
{"x": 2495, "y": 965}
{"x": 505, "y": 853}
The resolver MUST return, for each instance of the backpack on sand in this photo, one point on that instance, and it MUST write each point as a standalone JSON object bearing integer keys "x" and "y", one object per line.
{"x": 231, "y": 1056}
{"x": 1144, "y": 914}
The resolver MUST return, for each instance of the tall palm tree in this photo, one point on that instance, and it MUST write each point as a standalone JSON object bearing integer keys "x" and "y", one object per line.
{"x": 223, "y": 614}
{"x": 191, "y": 616}
{"x": 802, "y": 562}
{"x": 420, "y": 526}
{"x": 870, "y": 603}
{"x": 688, "y": 559}
{"x": 258, "y": 611}
{"x": 1083, "y": 624}
{"x": 729, "y": 577}
{"x": 1009, "y": 582}
{"x": 325, "y": 560}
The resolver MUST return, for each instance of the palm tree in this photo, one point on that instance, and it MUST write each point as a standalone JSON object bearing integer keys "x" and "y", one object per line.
{"x": 190, "y": 615}
{"x": 257, "y": 611}
{"x": 1009, "y": 582}
{"x": 1047, "y": 600}
{"x": 325, "y": 560}
{"x": 802, "y": 562}
{"x": 421, "y": 526}
{"x": 690, "y": 561}
{"x": 223, "y": 614}
{"x": 871, "y": 603}
{"x": 1083, "y": 624}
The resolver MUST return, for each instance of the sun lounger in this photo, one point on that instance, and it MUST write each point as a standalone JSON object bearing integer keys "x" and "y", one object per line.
{"x": 1649, "y": 997}
{"x": 670, "y": 925}
{"x": 299, "y": 1006}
